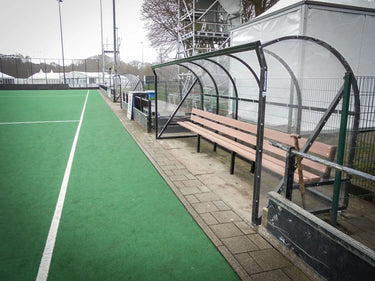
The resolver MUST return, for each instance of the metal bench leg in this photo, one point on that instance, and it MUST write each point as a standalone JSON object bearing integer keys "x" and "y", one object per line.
{"x": 199, "y": 144}
{"x": 233, "y": 157}
{"x": 215, "y": 146}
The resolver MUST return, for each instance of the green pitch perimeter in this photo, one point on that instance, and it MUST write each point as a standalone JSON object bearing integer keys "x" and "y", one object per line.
{"x": 120, "y": 220}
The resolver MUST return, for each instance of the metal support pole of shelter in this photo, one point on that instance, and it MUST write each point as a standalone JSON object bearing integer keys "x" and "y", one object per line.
{"x": 255, "y": 219}
{"x": 341, "y": 146}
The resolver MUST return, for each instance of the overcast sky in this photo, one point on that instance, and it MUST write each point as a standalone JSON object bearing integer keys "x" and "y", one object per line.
{"x": 31, "y": 28}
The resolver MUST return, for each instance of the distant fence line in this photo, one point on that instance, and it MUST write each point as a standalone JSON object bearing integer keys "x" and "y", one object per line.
{"x": 78, "y": 73}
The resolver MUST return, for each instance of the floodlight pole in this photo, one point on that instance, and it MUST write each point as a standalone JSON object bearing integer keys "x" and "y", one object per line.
{"x": 101, "y": 26}
{"x": 62, "y": 42}
{"x": 114, "y": 50}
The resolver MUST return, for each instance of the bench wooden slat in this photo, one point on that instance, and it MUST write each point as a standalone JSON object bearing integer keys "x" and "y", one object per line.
{"x": 268, "y": 161}
{"x": 221, "y": 140}
{"x": 225, "y": 130}
{"x": 251, "y": 139}
{"x": 322, "y": 149}
{"x": 227, "y": 133}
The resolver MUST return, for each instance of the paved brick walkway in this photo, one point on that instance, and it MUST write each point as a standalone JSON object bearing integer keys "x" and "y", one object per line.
{"x": 249, "y": 254}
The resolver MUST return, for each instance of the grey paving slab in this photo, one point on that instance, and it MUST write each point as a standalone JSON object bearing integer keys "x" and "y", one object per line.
{"x": 204, "y": 188}
{"x": 239, "y": 244}
{"x": 269, "y": 259}
{"x": 178, "y": 178}
{"x": 192, "y": 182}
{"x": 188, "y": 190}
{"x": 209, "y": 219}
{"x": 245, "y": 227}
{"x": 275, "y": 275}
{"x": 207, "y": 196}
{"x": 295, "y": 274}
{"x": 225, "y": 230}
{"x": 240, "y": 270}
{"x": 248, "y": 263}
{"x": 191, "y": 199}
{"x": 205, "y": 207}
{"x": 222, "y": 206}
{"x": 226, "y": 216}
{"x": 259, "y": 241}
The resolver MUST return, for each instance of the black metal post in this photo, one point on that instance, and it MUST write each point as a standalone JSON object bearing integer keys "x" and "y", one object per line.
{"x": 290, "y": 167}
{"x": 341, "y": 147}
{"x": 260, "y": 134}
{"x": 156, "y": 103}
{"x": 149, "y": 117}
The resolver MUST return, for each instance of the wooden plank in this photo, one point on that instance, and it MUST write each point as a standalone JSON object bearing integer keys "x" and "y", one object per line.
{"x": 250, "y": 139}
{"x": 318, "y": 148}
{"x": 269, "y": 162}
{"x": 223, "y": 141}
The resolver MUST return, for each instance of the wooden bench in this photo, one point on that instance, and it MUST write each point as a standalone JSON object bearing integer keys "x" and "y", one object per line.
{"x": 240, "y": 139}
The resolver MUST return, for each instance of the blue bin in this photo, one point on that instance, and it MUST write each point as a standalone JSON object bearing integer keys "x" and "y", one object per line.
{"x": 151, "y": 94}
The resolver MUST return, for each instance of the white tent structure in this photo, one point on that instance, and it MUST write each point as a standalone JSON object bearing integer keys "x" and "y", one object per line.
{"x": 6, "y": 79}
{"x": 308, "y": 46}
{"x": 78, "y": 79}
{"x": 42, "y": 77}
{"x": 346, "y": 25}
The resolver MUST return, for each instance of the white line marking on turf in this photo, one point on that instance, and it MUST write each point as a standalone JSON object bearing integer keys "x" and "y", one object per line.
{"x": 51, "y": 239}
{"x": 45, "y": 96}
{"x": 37, "y": 122}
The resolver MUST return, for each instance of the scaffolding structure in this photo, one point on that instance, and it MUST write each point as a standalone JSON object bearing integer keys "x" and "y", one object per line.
{"x": 203, "y": 26}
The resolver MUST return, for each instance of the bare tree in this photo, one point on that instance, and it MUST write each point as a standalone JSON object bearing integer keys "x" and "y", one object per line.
{"x": 253, "y": 8}
{"x": 161, "y": 18}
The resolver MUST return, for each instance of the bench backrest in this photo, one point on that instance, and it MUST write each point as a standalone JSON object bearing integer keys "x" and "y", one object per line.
{"x": 240, "y": 130}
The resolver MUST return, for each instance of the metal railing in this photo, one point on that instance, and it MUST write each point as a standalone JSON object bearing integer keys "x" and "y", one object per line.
{"x": 290, "y": 168}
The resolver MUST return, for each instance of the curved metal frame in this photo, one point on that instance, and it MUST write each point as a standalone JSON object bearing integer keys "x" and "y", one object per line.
{"x": 133, "y": 80}
{"x": 195, "y": 75}
{"x": 213, "y": 81}
{"x": 248, "y": 67}
{"x": 233, "y": 83}
{"x": 320, "y": 125}
{"x": 296, "y": 85}
{"x": 346, "y": 65}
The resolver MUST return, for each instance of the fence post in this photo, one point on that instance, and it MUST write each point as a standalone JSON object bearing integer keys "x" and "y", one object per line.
{"x": 341, "y": 146}
{"x": 149, "y": 118}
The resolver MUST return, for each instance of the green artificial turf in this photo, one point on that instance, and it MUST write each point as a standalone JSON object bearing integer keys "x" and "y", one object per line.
{"x": 32, "y": 162}
{"x": 120, "y": 220}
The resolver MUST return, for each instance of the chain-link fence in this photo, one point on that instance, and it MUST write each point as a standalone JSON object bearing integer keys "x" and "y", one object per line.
{"x": 364, "y": 159}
